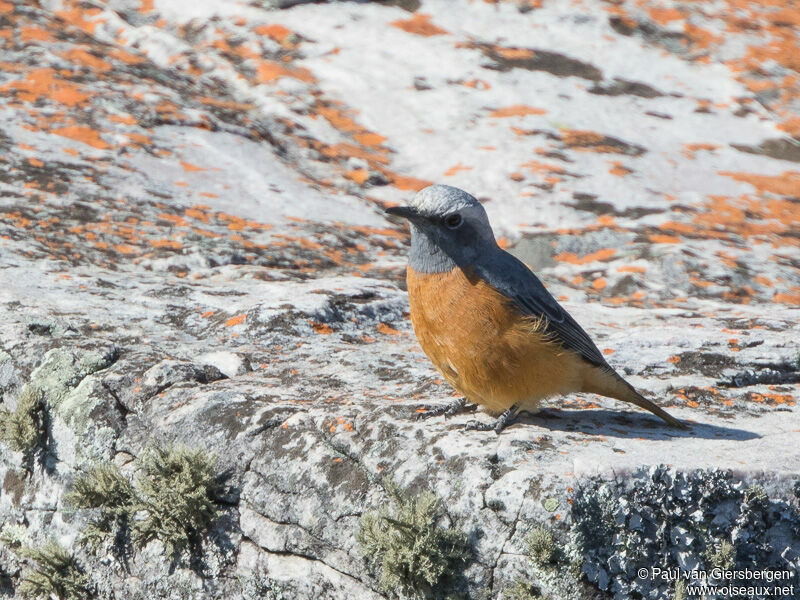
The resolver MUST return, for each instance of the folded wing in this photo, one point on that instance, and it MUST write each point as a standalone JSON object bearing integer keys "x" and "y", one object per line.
{"x": 517, "y": 282}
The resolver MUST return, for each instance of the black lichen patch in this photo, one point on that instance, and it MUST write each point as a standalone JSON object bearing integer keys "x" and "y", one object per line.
{"x": 590, "y": 203}
{"x": 767, "y": 374}
{"x": 621, "y": 87}
{"x": 14, "y": 485}
{"x": 532, "y": 59}
{"x": 708, "y": 364}
{"x": 780, "y": 148}
{"x": 649, "y": 31}
{"x": 408, "y": 5}
{"x": 661, "y": 517}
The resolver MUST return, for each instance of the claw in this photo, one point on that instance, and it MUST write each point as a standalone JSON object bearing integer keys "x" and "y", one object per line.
{"x": 457, "y": 406}
{"x": 503, "y": 421}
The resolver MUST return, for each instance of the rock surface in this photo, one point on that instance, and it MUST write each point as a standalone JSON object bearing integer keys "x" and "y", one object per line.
{"x": 194, "y": 252}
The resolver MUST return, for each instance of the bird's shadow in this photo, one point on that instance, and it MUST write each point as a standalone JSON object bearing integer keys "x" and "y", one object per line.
{"x": 631, "y": 425}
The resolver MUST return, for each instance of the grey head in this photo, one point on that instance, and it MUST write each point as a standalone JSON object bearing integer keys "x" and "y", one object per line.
{"x": 449, "y": 228}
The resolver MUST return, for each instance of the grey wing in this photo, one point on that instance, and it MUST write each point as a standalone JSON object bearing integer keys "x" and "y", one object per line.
{"x": 517, "y": 282}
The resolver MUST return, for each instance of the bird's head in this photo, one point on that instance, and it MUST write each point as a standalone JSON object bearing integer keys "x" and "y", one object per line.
{"x": 449, "y": 228}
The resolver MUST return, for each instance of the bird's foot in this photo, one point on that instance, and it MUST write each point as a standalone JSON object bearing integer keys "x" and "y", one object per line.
{"x": 455, "y": 407}
{"x": 503, "y": 421}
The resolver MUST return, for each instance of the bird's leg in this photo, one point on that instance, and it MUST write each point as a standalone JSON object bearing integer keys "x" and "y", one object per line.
{"x": 503, "y": 421}
{"x": 457, "y": 406}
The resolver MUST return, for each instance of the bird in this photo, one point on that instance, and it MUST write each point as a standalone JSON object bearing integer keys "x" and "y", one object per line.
{"x": 487, "y": 322}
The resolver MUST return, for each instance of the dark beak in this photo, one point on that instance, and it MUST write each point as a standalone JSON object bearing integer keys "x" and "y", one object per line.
{"x": 405, "y": 212}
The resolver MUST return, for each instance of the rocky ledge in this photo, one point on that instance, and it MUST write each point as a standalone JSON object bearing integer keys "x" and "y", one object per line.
{"x": 210, "y": 386}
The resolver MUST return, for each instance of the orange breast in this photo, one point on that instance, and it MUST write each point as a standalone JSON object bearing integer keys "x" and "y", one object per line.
{"x": 483, "y": 346}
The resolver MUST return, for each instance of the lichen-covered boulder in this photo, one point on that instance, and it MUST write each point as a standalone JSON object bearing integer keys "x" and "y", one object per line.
{"x": 209, "y": 385}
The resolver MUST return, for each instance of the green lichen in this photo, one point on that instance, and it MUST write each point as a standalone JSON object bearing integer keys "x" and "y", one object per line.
{"x": 680, "y": 590}
{"x": 171, "y": 501}
{"x": 21, "y": 428}
{"x": 51, "y": 382}
{"x": 755, "y": 494}
{"x": 13, "y": 536}
{"x": 408, "y": 545}
{"x": 55, "y": 573}
{"x": 522, "y": 590}
{"x": 542, "y": 547}
{"x": 551, "y": 504}
{"x": 60, "y": 371}
{"x": 76, "y": 405}
{"x": 260, "y": 586}
{"x": 175, "y": 496}
{"x": 722, "y": 556}
{"x": 103, "y": 487}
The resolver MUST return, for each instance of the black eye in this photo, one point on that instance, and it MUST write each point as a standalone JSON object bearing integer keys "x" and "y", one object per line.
{"x": 452, "y": 221}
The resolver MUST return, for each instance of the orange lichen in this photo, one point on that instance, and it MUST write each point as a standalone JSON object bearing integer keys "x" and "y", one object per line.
{"x": 126, "y": 249}
{"x": 517, "y": 110}
{"x": 406, "y": 183}
{"x": 190, "y": 167}
{"x": 578, "y": 137}
{"x": 791, "y": 126}
{"x": 419, "y": 24}
{"x": 172, "y": 244}
{"x": 387, "y": 330}
{"x": 76, "y": 15}
{"x": 279, "y": 33}
{"x": 690, "y": 150}
{"x": 83, "y": 134}
{"x": 82, "y": 57}
{"x": 369, "y": 139}
{"x": 177, "y": 219}
{"x": 765, "y": 281}
{"x": 574, "y": 259}
{"x": 321, "y": 328}
{"x": 665, "y": 15}
{"x": 514, "y": 53}
{"x": 541, "y": 167}
{"x": 664, "y": 239}
{"x": 124, "y": 119}
{"x": 268, "y": 71}
{"x": 357, "y": 175}
{"x": 28, "y": 34}
{"x": 785, "y": 184}
{"x": 345, "y": 150}
{"x": 237, "y": 320}
{"x": 456, "y": 169}
{"x": 618, "y": 169}
{"x": 42, "y": 83}
{"x": 790, "y": 297}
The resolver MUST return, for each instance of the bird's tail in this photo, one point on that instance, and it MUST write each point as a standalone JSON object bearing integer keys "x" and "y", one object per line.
{"x": 610, "y": 384}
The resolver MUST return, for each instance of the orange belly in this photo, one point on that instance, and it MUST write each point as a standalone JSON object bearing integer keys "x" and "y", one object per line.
{"x": 484, "y": 347}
